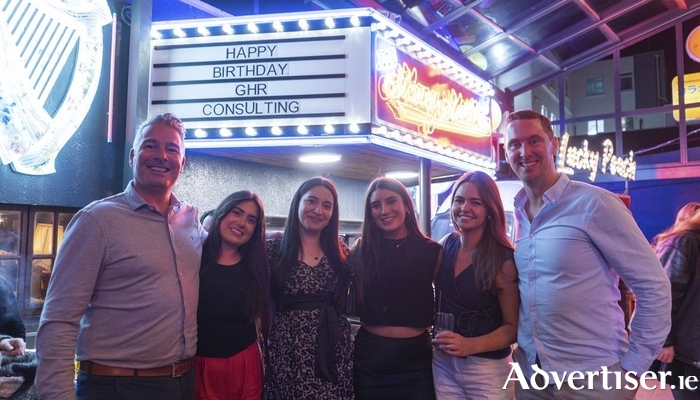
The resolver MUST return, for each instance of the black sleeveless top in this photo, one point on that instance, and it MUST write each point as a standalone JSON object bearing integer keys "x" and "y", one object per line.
{"x": 476, "y": 312}
{"x": 400, "y": 292}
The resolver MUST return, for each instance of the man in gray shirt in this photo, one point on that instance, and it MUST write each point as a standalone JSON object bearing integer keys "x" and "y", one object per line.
{"x": 124, "y": 291}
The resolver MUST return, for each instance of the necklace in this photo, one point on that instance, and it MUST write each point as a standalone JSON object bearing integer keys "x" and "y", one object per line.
{"x": 401, "y": 242}
{"x": 315, "y": 255}
{"x": 466, "y": 248}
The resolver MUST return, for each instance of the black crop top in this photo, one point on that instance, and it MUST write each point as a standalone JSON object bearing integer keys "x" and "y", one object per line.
{"x": 400, "y": 292}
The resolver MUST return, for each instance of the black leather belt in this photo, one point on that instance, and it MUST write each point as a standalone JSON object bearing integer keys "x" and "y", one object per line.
{"x": 172, "y": 370}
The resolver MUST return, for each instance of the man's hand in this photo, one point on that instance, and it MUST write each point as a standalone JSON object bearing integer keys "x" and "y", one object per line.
{"x": 13, "y": 346}
{"x": 666, "y": 355}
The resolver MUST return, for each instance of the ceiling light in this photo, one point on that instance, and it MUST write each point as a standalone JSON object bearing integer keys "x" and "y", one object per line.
{"x": 319, "y": 158}
{"x": 402, "y": 175}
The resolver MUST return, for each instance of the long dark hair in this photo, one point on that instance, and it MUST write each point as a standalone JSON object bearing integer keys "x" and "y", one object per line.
{"x": 253, "y": 255}
{"x": 290, "y": 247}
{"x": 493, "y": 248}
{"x": 365, "y": 254}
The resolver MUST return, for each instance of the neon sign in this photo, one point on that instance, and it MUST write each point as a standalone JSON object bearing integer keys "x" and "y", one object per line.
{"x": 588, "y": 160}
{"x": 36, "y": 46}
{"x": 411, "y": 101}
{"x": 427, "y": 100}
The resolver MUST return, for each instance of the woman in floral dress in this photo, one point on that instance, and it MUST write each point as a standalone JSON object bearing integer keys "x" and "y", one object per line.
{"x": 311, "y": 346}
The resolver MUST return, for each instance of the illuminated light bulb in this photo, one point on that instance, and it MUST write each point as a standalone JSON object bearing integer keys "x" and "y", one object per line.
{"x": 250, "y": 131}
{"x": 330, "y": 23}
{"x": 203, "y": 31}
{"x": 382, "y": 130}
{"x": 276, "y": 130}
{"x": 381, "y": 25}
{"x": 225, "y": 132}
{"x": 328, "y": 128}
{"x": 319, "y": 158}
{"x": 304, "y": 24}
{"x": 396, "y": 135}
{"x": 278, "y": 26}
{"x": 354, "y": 128}
{"x": 355, "y": 20}
{"x": 179, "y": 32}
{"x": 303, "y": 130}
{"x": 228, "y": 29}
{"x": 252, "y": 27}
{"x": 155, "y": 34}
{"x": 200, "y": 133}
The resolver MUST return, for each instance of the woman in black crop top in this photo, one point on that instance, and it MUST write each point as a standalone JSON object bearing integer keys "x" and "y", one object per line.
{"x": 477, "y": 283}
{"x": 394, "y": 269}
{"x": 233, "y": 296}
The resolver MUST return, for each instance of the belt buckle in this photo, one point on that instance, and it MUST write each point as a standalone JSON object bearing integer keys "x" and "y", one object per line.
{"x": 174, "y": 371}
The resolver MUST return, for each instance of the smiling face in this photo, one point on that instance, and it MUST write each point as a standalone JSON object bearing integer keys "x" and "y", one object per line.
{"x": 157, "y": 158}
{"x": 389, "y": 213}
{"x": 530, "y": 152}
{"x": 315, "y": 209}
{"x": 238, "y": 226}
{"x": 468, "y": 209}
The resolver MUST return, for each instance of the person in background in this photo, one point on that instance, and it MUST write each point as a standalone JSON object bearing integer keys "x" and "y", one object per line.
{"x": 125, "y": 285}
{"x": 394, "y": 269}
{"x": 234, "y": 289}
{"x": 11, "y": 323}
{"x": 478, "y": 284}
{"x": 311, "y": 344}
{"x": 206, "y": 219}
{"x": 574, "y": 242}
{"x": 678, "y": 249}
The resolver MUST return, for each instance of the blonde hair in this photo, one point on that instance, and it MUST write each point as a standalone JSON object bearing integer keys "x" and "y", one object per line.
{"x": 687, "y": 219}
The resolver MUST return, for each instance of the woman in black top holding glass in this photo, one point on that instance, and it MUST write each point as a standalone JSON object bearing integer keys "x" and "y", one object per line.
{"x": 394, "y": 269}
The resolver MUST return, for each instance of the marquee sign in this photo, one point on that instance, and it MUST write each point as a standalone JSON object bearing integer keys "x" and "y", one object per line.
{"x": 263, "y": 79}
{"x": 313, "y": 78}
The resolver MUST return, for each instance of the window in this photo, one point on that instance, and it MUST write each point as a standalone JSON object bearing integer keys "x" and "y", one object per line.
{"x": 48, "y": 231}
{"x": 543, "y": 110}
{"x": 627, "y": 123}
{"x": 10, "y": 250}
{"x": 596, "y": 126}
{"x": 626, "y": 82}
{"x": 594, "y": 86}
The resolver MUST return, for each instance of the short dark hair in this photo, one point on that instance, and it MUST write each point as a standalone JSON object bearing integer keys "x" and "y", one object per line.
{"x": 529, "y": 114}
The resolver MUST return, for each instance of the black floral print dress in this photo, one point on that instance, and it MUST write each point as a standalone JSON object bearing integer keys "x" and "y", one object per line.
{"x": 294, "y": 333}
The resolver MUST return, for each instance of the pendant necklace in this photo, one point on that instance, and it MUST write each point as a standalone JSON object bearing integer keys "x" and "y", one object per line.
{"x": 400, "y": 243}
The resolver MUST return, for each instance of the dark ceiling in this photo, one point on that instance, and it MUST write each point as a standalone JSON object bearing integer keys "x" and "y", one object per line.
{"x": 514, "y": 44}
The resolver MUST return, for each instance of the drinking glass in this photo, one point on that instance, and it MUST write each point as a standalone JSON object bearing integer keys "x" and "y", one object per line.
{"x": 443, "y": 322}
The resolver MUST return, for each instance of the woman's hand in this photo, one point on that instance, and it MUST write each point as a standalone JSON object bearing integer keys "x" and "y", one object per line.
{"x": 454, "y": 344}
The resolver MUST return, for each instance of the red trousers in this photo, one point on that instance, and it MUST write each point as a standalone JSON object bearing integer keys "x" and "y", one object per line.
{"x": 239, "y": 377}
